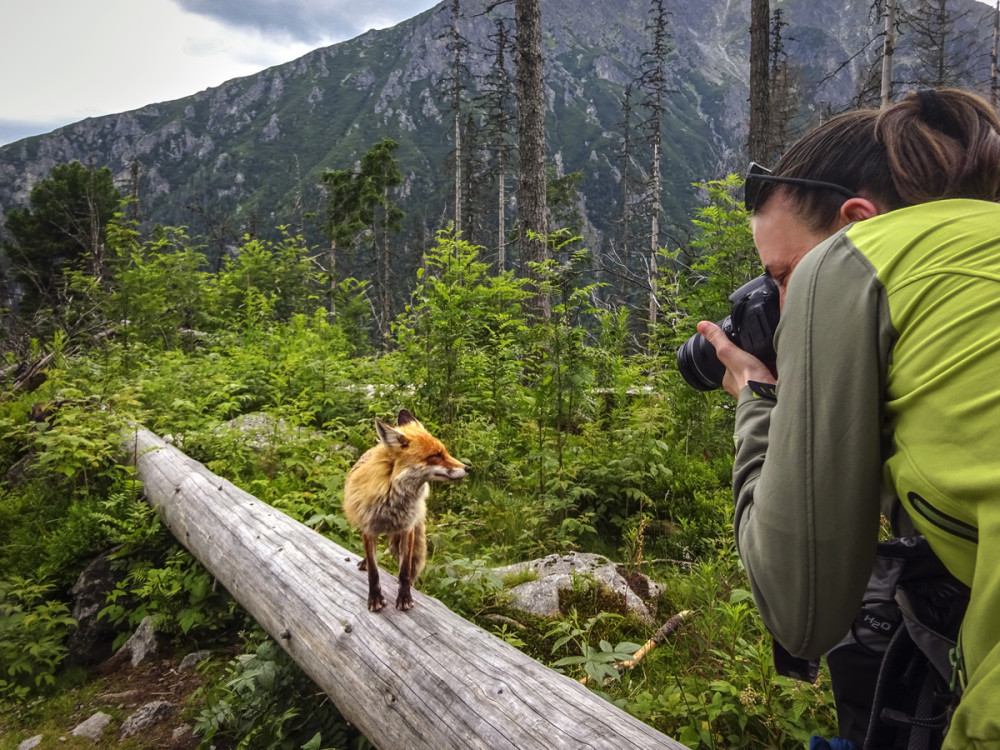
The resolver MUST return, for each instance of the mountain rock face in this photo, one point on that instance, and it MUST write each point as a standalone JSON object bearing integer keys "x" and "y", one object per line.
{"x": 250, "y": 153}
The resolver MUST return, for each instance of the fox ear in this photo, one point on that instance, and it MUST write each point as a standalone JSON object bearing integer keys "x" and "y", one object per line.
{"x": 390, "y": 436}
{"x": 405, "y": 417}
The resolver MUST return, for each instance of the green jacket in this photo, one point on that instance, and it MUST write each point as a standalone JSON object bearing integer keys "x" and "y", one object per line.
{"x": 889, "y": 364}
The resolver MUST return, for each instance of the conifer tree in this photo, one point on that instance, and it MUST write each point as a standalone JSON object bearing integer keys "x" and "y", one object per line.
{"x": 781, "y": 99}
{"x": 499, "y": 124}
{"x": 943, "y": 54}
{"x": 63, "y": 227}
{"x": 654, "y": 83}
{"x": 360, "y": 207}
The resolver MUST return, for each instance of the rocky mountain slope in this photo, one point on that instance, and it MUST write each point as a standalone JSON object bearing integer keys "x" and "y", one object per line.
{"x": 251, "y": 151}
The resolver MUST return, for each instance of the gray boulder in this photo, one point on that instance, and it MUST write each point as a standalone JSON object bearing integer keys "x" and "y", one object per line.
{"x": 92, "y": 640}
{"x": 555, "y": 572}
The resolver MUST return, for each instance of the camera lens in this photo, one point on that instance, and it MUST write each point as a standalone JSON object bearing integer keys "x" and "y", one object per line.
{"x": 699, "y": 365}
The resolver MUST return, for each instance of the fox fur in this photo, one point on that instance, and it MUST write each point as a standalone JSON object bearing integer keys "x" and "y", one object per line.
{"x": 386, "y": 493}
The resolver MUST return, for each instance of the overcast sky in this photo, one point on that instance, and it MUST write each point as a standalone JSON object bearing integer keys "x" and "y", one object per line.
{"x": 64, "y": 60}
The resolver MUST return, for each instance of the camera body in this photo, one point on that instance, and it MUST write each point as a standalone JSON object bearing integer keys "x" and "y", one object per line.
{"x": 752, "y": 320}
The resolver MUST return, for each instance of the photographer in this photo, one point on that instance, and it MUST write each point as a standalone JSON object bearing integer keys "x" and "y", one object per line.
{"x": 881, "y": 230}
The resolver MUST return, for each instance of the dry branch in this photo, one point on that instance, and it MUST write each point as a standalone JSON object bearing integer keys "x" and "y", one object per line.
{"x": 659, "y": 637}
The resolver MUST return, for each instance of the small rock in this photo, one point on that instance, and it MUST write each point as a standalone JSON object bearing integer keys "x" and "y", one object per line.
{"x": 181, "y": 732}
{"x": 194, "y": 658}
{"x": 143, "y": 644}
{"x": 31, "y": 743}
{"x": 145, "y": 717}
{"x": 93, "y": 727}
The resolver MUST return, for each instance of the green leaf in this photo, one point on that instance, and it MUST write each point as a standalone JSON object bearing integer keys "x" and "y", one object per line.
{"x": 739, "y": 595}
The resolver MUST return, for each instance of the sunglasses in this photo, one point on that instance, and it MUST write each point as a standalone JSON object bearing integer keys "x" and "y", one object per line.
{"x": 758, "y": 176}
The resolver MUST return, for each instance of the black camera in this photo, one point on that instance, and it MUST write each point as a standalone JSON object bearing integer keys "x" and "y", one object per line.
{"x": 750, "y": 325}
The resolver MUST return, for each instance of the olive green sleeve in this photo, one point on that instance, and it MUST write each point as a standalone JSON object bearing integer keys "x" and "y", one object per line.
{"x": 807, "y": 470}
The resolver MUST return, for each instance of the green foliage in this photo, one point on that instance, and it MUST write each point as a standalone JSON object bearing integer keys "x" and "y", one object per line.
{"x": 358, "y": 200}
{"x": 265, "y": 282}
{"x": 68, "y": 468}
{"x": 158, "y": 285}
{"x": 33, "y": 627}
{"x": 63, "y": 227}
{"x": 177, "y": 591}
{"x": 696, "y": 282}
{"x": 265, "y": 703}
{"x": 466, "y": 586}
{"x": 597, "y": 663}
{"x": 462, "y": 338}
{"x": 261, "y": 369}
{"x": 729, "y": 696}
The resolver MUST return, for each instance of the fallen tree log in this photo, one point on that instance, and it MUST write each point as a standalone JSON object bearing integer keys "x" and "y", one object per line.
{"x": 425, "y": 678}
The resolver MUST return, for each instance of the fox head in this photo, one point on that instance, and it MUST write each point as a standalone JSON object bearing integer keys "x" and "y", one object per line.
{"x": 417, "y": 455}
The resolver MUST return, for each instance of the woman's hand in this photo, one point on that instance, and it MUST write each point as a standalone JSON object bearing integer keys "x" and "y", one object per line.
{"x": 740, "y": 366}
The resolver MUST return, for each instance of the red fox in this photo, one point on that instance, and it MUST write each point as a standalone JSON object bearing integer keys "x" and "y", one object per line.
{"x": 386, "y": 493}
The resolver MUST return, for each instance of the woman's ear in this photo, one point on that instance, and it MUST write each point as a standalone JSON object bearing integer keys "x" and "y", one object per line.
{"x": 857, "y": 209}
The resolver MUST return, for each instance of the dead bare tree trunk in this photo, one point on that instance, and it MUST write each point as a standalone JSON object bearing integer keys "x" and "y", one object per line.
{"x": 422, "y": 679}
{"x": 502, "y": 219}
{"x": 499, "y": 125}
{"x": 654, "y": 241}
{"x": 531, "y": 202}
{"x": 760, "y": 91}
{"x": 458, "y": 175}
{"x": 888, "y": 52}
{"x": 994, "y": 57}
{"x": 384, "y": 291}
{"x": 654, "y": 83}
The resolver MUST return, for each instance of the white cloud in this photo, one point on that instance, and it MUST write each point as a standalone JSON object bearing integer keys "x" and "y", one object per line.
{"x": 308, "y": 20}
{"x": 64, "y": 60}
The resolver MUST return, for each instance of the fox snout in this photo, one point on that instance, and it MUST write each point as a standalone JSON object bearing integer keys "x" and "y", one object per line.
{"x": 445, "y": 474}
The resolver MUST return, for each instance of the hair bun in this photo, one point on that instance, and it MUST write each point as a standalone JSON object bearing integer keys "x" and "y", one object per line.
{"x": 934, "y": 113}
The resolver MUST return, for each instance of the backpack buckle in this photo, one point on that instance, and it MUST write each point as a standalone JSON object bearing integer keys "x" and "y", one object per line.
{"x": 958, "y": 676}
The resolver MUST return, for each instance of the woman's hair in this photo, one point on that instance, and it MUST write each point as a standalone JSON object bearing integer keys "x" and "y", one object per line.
{"x": 931, "y": 145}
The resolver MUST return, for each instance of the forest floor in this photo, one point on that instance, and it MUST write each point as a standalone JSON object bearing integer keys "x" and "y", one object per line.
{"x": 118, "y": 691}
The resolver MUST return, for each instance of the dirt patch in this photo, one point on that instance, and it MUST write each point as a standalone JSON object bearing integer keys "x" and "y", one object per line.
{"x": 129, "y": 688}
{"x": 120, "y": 691}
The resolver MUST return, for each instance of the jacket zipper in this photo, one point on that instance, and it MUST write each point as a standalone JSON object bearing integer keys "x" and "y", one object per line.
{"x": 942, "y": 520}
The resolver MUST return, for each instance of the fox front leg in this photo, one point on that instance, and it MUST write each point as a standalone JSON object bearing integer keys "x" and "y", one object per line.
{"x": 404, "y": 599}
{"x": 375, "y": 599}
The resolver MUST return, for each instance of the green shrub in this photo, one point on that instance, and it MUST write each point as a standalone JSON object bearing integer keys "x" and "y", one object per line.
{"x": 265, "y": 702}
{"x": 33, "y": 629}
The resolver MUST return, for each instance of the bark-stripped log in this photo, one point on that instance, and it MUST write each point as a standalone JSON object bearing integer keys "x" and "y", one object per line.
{"x": 420, "y": 679}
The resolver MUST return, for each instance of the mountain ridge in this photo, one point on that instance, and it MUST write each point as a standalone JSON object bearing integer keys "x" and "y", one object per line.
{"x": 251, "y": 151}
